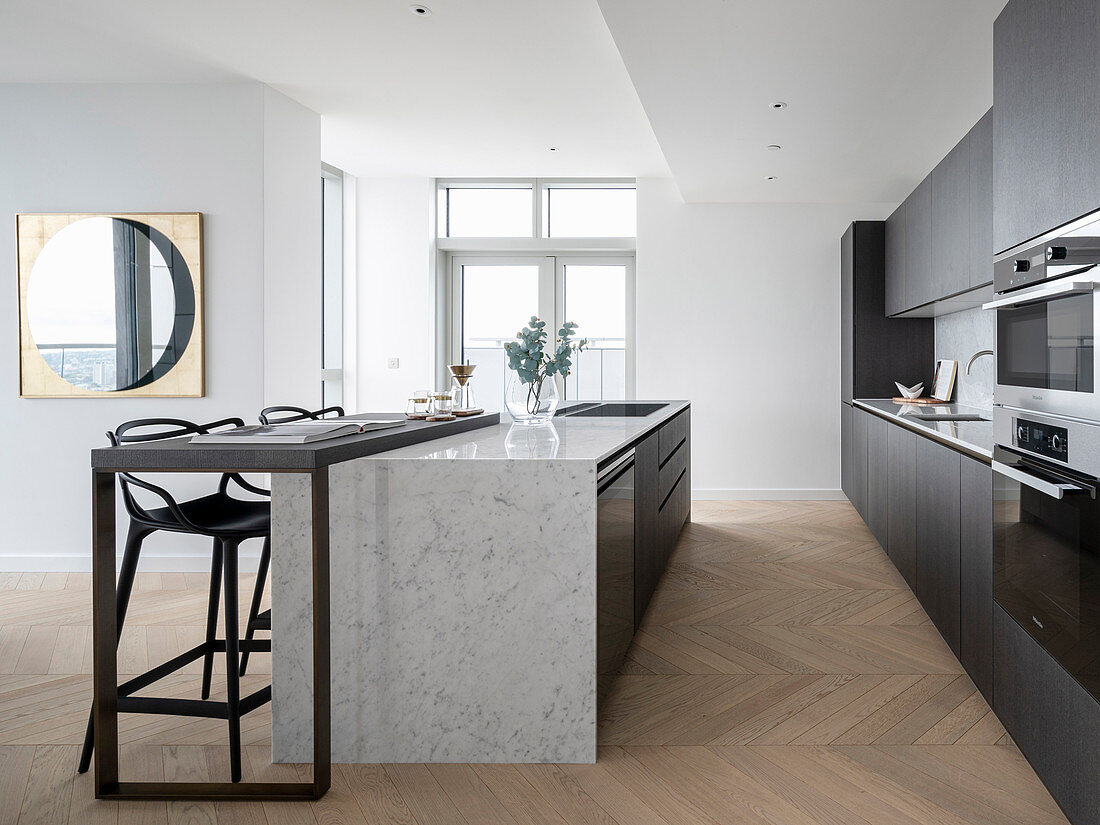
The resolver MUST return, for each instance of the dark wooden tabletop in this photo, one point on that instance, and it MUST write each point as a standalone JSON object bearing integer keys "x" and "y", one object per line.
{"x": 178, "y": 455}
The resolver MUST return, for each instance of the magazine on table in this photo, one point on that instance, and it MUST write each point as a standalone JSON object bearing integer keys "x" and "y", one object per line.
{"x": 295, "y": 432}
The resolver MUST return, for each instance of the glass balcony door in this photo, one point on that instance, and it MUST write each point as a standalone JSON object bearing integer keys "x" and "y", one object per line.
{"x": 493, "y": 297}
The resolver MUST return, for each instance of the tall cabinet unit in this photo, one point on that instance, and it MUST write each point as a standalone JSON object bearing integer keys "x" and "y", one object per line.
{"x": 1047, "y": 113}
{"x": 875, "y": 350}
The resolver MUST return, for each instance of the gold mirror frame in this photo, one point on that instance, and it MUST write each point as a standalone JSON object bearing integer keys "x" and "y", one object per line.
{"x": 184, "y": 380}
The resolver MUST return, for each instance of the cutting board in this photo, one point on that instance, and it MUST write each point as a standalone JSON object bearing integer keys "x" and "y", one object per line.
{"x": 918, "y": 401}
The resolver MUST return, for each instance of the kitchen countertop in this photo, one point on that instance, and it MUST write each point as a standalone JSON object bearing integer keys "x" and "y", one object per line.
{"x": 579, "y": 438}
{"x": 973, "y": 437}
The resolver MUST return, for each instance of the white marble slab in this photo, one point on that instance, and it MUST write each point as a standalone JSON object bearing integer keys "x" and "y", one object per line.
{"x": 463, "y": 606}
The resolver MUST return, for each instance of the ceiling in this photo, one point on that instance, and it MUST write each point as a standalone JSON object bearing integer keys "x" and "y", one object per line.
{"x": 479, "y": 87}
{"x": 877, "y": 91}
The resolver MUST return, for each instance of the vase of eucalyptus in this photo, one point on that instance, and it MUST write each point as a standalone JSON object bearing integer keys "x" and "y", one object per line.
{"x": 531, "y": 394}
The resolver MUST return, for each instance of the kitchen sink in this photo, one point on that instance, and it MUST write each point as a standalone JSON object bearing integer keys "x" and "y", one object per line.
{"x": 947, "y": 417}
{"x": 612, "y": 410}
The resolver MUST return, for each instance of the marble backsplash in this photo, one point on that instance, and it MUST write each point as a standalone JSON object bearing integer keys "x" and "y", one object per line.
{"x": 959, "y": 336}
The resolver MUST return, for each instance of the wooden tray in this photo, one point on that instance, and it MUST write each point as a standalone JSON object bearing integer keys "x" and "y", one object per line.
{"x": 918, "y": 401}
{"x": 471, "y": 411}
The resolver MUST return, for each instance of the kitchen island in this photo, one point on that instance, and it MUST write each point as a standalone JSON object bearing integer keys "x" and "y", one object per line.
{"x": 464, "y": 589}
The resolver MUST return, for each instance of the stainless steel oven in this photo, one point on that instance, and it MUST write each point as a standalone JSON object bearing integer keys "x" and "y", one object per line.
{"x": 1047, "y": 308}
{"x": 1046, "y": 535}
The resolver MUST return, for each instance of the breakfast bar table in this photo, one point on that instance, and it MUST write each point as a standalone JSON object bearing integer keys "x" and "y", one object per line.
{"x": 312, "y": 461}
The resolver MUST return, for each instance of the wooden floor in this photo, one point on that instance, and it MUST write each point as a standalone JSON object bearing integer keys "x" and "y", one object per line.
{"x": 784, "y": 675}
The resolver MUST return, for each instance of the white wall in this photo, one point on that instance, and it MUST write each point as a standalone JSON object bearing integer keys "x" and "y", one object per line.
{"x": 141, "y": 148}
{"x": 292, "y": 257}
{"x": 395, "y": 310}
{"x": 739, "y": 311}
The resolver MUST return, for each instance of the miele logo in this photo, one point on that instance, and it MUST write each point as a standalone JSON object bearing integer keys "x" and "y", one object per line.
{"x": 1035, "y": 397}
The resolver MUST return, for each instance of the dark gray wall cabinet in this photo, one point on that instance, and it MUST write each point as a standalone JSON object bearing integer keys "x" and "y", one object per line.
{"x": 951, "y": 222}
{"x": 939, "y": 242}
{"x": 1047, "y": 117}
{"x": 918, "y": 245}
{"x": 875, "y": 350}
{"x": 981, "y": 201}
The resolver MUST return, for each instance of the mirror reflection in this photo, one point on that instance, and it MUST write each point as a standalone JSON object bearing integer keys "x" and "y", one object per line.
{"x": 110, "y": 304}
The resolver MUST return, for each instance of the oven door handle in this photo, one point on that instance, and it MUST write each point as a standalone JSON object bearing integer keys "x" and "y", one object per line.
{"x": 1050, "y": 488}
{"x": 1046, "y": 292}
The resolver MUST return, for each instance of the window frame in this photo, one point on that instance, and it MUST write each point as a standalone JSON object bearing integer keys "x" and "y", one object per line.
{"x": 551, "y": 303}
{"x": 539, "y": 237}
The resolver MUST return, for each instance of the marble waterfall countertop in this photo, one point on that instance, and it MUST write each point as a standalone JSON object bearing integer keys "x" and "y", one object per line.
{"x": 566, "y": 437}
{"x": 974, "y": 437}
{"x": 463, "y": 598}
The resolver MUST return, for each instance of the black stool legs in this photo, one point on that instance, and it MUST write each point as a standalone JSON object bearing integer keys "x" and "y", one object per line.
{"x": 212, "y": 616}
{"x": 253, "y": 624}
{"x": 134, "y": 537}
{"x": 232, "y": 656}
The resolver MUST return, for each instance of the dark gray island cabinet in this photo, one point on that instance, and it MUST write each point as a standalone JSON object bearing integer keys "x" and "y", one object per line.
{"x": 930, "y": 507}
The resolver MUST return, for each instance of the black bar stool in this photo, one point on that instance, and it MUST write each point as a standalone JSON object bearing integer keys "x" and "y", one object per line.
{"x": 228, "y": 521}
{"x": 256, "y": 619}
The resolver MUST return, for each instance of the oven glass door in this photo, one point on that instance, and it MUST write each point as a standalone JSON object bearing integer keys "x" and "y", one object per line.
{"x": 1046, "y": 572}
{"x": 1047, "y": 345}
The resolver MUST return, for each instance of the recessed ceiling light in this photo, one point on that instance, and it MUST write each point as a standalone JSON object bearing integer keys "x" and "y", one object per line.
{"x": 772, "y": 177}
{"x": 779, "y": 104}
{"x": 775, "y": 147}
{"x": 419, "y": 11}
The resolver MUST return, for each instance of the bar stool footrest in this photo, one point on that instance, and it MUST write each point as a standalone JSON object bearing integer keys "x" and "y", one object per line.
{"x": 186, "y": 658}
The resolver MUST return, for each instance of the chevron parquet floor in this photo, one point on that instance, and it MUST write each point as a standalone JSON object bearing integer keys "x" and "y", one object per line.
{"x": 784, "y": 674}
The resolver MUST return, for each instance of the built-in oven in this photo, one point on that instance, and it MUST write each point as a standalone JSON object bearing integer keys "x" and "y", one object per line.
{"x": 1046, "y": 535}
{"x": 1047, "y": 307}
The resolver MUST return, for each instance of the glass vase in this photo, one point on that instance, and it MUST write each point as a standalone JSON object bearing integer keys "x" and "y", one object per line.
{"x": 532, "y": 403}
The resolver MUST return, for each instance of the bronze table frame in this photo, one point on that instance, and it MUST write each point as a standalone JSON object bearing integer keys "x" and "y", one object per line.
{"x": 105, "y": 658}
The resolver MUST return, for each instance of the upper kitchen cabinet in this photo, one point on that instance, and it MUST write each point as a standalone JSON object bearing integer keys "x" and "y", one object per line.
{"x": 1047, "y": 117}
{"x": 981, "y": 201}
{"x": 951, "y": 222}
{"x": 918, "y": 245}
{"x": 875, "y": 350}
{"x": 939, "y": 242}
{"x": 895, "y": 262}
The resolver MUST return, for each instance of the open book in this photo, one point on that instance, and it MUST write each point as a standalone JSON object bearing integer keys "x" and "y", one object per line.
{"x": 296, "y": 432}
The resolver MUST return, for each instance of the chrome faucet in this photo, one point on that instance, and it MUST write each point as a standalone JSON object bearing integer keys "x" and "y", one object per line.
{"x": 975, "y": 357}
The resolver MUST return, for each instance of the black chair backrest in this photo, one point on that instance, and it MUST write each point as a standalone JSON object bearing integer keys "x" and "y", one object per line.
{"x": 158, "y": 429}
{"x": 284, "y": 415}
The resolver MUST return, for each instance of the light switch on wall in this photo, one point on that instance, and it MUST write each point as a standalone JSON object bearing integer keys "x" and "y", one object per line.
{"x": 393, "y": 363}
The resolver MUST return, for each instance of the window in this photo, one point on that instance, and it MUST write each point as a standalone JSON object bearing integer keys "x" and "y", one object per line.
{"x": 537, "y": 208}
{"x": 502, "y": 212}
{"x": 494, "y": 296}
{"x": 559, "y": 249}
{"x": 590, "y": 212}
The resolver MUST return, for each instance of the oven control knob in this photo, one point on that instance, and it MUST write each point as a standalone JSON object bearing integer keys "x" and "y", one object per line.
{"x": 1057, "y": 253}
{"x": 1056, "y": 443}
{"x": 1022, "y": 266}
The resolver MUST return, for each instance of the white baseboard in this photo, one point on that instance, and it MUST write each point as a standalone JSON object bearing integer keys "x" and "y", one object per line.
{"x": 150, "y": 562}
{"x": 780, "y": 494}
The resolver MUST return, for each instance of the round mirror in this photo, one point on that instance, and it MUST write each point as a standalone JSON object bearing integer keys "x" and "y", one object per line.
{"x": 110, "y": 304}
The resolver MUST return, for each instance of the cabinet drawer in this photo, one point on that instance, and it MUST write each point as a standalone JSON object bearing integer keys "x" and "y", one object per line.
{"x": 671, "y": 436}
{"x": 670, "y": 472}
{"x": 672, "y": 515}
